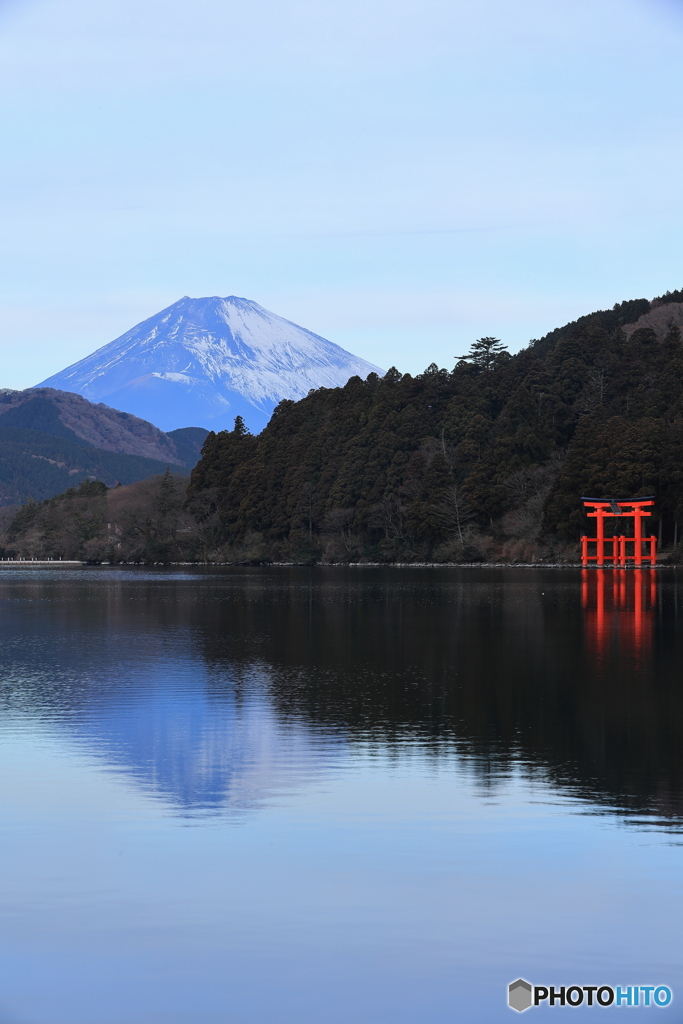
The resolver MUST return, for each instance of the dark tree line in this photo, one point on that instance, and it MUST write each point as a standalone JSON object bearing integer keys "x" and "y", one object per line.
{"x": 488, "y": 458}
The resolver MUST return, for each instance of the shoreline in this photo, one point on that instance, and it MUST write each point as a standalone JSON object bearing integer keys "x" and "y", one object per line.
{"x": 74, "y": 564}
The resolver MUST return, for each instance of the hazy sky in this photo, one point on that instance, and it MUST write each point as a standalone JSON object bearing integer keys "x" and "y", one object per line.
{"x": 400, "y": 177}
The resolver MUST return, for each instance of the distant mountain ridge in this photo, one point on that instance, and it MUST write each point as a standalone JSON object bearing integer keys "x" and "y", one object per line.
{"x": 204, "y": 361}
{"x": 58, "y": 411}
{"x": 50, "y": 440}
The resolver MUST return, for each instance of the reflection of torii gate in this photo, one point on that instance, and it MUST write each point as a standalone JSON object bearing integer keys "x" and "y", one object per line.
{"x": 619, "y": 612}
{"x": 616, "y": 549}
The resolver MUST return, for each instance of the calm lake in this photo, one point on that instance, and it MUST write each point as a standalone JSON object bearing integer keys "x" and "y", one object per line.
{"x": 338, "y": 795}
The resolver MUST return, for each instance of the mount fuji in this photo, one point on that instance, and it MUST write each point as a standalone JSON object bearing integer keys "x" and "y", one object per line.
{"x": 201, "y": 362}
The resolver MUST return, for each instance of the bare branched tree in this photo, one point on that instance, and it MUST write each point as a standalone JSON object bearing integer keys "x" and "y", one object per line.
{"x": 388, "y": 515}
{"x": 204, "y": 510}
{"x": 528, "y": 489}
{"x": 593, "y": 394}
{"x": 339, "y": 523}
{"x": 150, "y": 516}
{"x": 454, "y": 511}
{"x": 306, "y": 505}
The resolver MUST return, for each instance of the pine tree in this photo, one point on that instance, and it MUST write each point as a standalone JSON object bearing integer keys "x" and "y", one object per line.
{"x": 486, "y": 353}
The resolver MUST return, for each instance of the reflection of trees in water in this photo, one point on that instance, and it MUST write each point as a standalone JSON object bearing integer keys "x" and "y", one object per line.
{"x": 503, "y": 664}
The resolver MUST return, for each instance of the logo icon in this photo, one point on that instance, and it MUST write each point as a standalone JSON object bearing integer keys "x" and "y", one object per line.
{"x": 519, "y": 995}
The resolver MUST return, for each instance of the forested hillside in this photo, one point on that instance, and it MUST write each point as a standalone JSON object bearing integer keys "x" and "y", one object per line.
{"x": 488, "y": 459}
{"x": 50, "y": 440}
{"x": 36, "y": 465}
{"x": 145, "y": 521}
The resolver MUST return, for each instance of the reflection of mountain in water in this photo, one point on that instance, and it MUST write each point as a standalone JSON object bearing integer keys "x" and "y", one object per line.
{"x": 215, "y": 688}
{"x": 136, "y": 696}
{"x": 201, "y": 754}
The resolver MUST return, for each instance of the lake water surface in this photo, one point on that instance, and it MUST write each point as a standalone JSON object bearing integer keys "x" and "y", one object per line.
{"x": 325, "y": 796}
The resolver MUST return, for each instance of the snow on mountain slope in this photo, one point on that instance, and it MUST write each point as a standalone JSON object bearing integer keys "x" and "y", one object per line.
{"x": 201, "y": 362}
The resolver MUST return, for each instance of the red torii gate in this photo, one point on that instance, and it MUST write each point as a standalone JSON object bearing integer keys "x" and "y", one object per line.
{"x": 614, "y": 549}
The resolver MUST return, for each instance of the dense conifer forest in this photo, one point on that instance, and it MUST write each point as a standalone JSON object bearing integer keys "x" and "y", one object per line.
{"x": 488, "y": 459}
{"x": 484, "y": 461}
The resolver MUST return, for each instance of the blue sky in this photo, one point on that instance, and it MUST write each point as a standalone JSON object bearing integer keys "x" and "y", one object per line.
{"x": 400, "y": 177}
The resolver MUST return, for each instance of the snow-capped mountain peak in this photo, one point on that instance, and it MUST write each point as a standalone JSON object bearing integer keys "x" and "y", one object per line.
{"x": 201, "y": 362}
